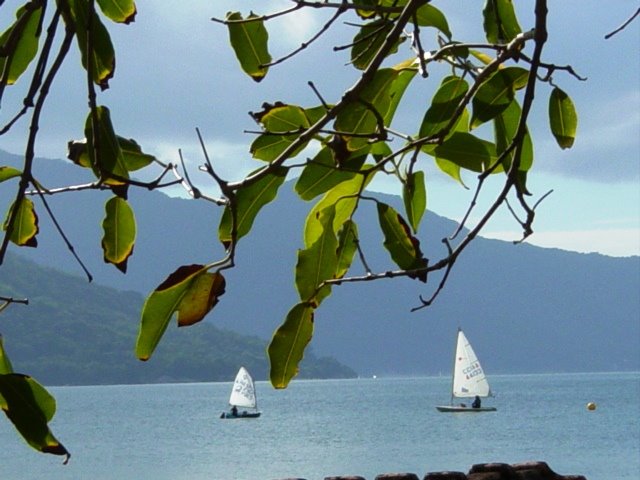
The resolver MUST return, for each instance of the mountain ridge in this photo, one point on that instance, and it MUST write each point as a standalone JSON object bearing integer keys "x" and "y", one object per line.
{"x": 526, "y": 309}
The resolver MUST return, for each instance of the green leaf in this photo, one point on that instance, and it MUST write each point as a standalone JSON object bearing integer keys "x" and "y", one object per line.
{"x": 403, "y": 247}
{"x": 105, "y": 155}
{"x": 368, "y": 41}
{"x": 318, "y": 262}
{"x": 398, "y": 87}
{"x": 322, "y": 173}
{"x": 468, "y": 152}
{"x": 287, "y": 346}
{"x": 5, "y": 363}
{"x": 25, "y": 225}
{"x": 366, "y": 13}
{"x": 160, "y": 306}
{"x": 359, "y": 117}
{"x": 563, "y": 118}
{"x": 120, "y": 11}
{"x": 101, "y": 58}
{"x": 414, "y": 195}
{"x": 30, "y": 408}
{"x": 248, "y": 202}
{"x": 451, "y": 169}
{"x": 22, "y": 50}
{"x": 345, "y": 198}
{"x": 249, "y": 39}
{"x": 429, "y": 16}
{"x": 347, "y": 247}
{"x": 200, "y": 298}
{"x": 500, "y": 22}
{"x": 505, "y": 128}
{"x": 283, "y": 125}
{"x": 443, "y": 105}
{"x": 119, "y": 226}
{"x": 496, "y": 94}
{"x": 7, "y": 173}
{"x": 132, "y": 156}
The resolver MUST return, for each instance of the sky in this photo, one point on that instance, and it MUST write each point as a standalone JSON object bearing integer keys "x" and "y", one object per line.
{"x": 175, "y": 72}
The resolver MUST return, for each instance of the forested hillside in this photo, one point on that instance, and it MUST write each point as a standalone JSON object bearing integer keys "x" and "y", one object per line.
{"x": 73, "y": 332}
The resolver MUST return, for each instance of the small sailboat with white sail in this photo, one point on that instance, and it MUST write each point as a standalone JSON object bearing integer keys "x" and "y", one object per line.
{"x": 243, "y": 395}
{"x": 469, "y": 380}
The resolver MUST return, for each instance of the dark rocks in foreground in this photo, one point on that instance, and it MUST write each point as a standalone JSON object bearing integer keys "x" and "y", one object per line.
{"x": 482, "y": 471}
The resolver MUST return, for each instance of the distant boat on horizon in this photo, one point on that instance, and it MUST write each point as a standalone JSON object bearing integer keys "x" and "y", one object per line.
{"x": 468, "y": 379}
{"x": 243, "y": 394}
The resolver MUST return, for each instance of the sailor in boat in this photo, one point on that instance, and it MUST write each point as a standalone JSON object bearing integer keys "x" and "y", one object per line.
{"x": 234, "y": 411}
{"x": 476, "y": 402}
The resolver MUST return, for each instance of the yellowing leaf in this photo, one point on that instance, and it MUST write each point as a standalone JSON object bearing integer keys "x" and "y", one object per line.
{"x": 160, "y": 306}
{"x": 119, "y": 226}
{"x": 120, "y": 11}
{"x": 7, "y": 173}
{"x": 30, "y": 407}
{"x": 101, "y": 59}
{"x": 25, "y": 225}
{"x": 23, "y": 48}
{"x": 249, "y": 39}
{"x": 202, "y": 295}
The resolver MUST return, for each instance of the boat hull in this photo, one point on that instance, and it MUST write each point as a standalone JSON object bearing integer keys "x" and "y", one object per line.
{"x": 460, "y": 409}
{"x": 229, "y": 415}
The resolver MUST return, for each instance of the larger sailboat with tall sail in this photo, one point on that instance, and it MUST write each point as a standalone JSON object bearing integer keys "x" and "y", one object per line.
{"x": 469, "y": 380}
{"x": 243, "y": 395}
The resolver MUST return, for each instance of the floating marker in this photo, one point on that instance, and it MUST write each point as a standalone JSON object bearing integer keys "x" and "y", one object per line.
{"x": 591, "y": 406}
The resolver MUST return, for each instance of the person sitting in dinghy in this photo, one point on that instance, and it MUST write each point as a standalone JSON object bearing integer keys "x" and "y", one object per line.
{"x": 476, "y": 402}
{"x": 234, "y": 411}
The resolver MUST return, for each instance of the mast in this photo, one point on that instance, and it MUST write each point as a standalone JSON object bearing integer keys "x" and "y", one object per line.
{"x": 453, "y": 370}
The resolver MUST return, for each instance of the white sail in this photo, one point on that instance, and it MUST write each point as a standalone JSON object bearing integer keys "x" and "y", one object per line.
{"x": 468, "y": 377}
{"x": 243, "y": 393}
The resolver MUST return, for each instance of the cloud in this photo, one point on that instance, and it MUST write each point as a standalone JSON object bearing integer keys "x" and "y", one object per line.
{"x": 607, "y": 146}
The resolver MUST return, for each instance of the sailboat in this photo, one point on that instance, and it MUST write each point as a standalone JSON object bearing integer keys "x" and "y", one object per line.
{"x": 243, "y": 395}
{"x": 469, "y": 380}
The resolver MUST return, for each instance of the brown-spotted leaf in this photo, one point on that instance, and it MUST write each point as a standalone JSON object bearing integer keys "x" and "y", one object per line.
{"x": 25, "y": 225}
{"x": 30, "y": 407}
{"x": 160, "y": 306}
{"x": 403, "y": 247}
{"x": 201, "y": 296}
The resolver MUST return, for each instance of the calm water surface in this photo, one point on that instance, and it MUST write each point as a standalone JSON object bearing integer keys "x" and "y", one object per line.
{"x": 344, "y": 427}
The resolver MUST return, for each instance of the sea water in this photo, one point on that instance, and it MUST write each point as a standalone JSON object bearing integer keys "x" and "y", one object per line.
{"x": 316, "y": 429}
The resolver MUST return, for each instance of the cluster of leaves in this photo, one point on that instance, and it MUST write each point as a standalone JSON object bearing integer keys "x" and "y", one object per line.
{"x": 485, "y": 82}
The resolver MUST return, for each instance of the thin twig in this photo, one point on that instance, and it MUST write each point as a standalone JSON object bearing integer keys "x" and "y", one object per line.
{"x": 306, "y": 44}
{"x": 624, "y": 25}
